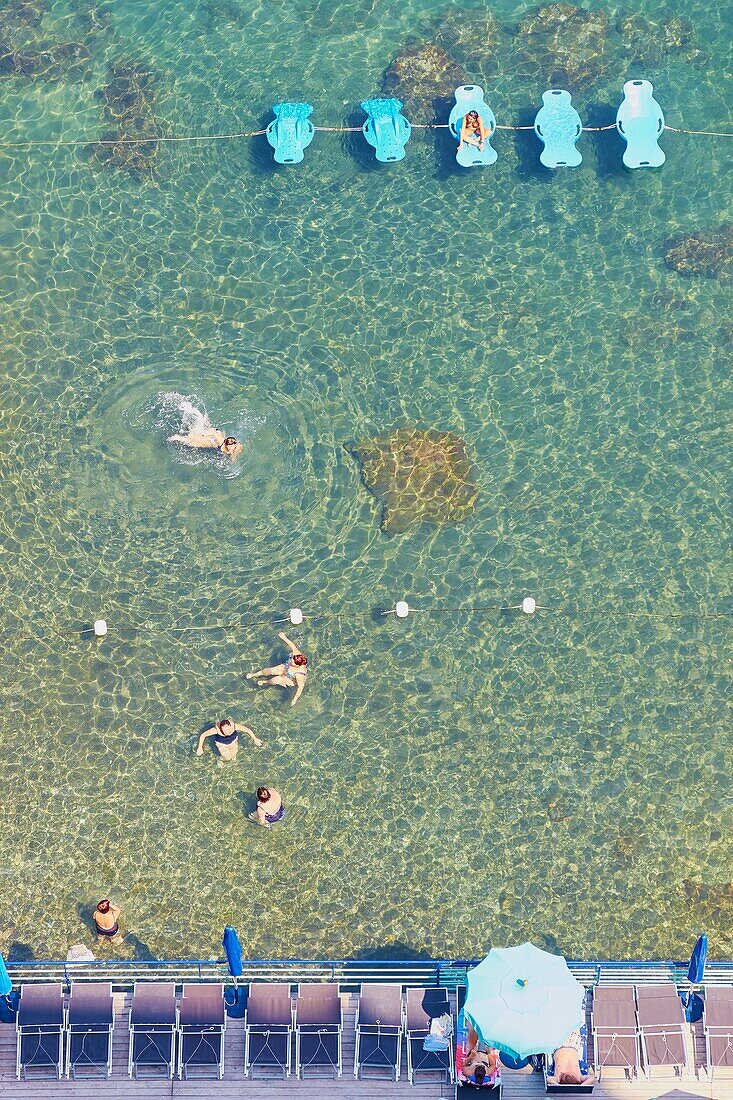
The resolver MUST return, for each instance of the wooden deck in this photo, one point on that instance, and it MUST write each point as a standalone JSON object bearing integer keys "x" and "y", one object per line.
{"x": 234, "y": 1086}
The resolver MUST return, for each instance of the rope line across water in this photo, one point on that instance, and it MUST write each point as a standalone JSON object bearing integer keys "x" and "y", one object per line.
{"x": 182, "y": 138}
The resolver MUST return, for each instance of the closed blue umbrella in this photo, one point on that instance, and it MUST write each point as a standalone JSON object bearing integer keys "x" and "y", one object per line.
{"x": 5, "y": 983}
{"x": 695, "y": 974}
{"x": 233, "y": 948}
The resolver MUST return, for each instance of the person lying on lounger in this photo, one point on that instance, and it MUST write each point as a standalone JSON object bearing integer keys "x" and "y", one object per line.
{"x": 481, "y": 1061}
{"x": 473, "y": 131}
{"x": 567, "y": 1063}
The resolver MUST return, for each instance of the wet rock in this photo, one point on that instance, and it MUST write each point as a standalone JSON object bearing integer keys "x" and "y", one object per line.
{"x": 66, "y": 60}
{"x": 17, "y": 16}
{"x": 424, "y": 77}
{"x": 129, "y": 105}
{"x": 473, "y": 38}
{"x": 568, "y": 46}
{"x": 650, "y": 42}
{"x": 704, "y": 252}
{"x": 419, "y": 476}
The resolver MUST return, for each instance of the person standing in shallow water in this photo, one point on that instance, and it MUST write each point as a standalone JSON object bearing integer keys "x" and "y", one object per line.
{"x": 226, "y": 738}
{"x": 291, "y": 673}
{"x": 270, "y": 807}
{"x": 107, "y": 919}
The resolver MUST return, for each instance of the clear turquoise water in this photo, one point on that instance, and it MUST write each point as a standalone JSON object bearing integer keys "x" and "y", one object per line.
{"x": 453, "y": 781}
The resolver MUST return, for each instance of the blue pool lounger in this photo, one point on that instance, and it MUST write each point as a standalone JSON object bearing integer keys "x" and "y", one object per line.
{"x": 640, "y": 122}
{"x": 558, "y": 126}
{"x": 386, "y": 129}
{"x": 291, "y": 131}
{"x": 469, "y": 97}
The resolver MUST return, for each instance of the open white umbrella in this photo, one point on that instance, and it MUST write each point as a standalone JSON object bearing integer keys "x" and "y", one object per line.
{"x": 523, "y": 1000}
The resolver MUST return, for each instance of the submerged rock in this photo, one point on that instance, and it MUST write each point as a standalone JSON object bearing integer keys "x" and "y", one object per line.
{"x": 68, "y": 60}
{"x": 568, "y": 46}
{"x": 424, "y": 77}
{"x": 473, "y": 38}
{"x": 702, "y": 252}
{"x": 129, "y": 104}
{"x": 650, "y": 42}
{"x": 419, "y": 476}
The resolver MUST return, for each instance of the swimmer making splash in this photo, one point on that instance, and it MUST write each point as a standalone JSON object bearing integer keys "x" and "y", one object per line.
{"x": 198, "y": 432}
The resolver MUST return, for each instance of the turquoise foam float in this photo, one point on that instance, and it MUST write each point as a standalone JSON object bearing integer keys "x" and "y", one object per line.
{"x": 291, "y": 131}
{"x": 469, "y": 97}
{"x": 386, "y": 130}
{"x": 640, "y": 122}
{"x": 558, "y": 126}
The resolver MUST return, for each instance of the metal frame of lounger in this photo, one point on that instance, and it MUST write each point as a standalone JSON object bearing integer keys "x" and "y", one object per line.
{"x": 319, "y": 1025}
{"x": 661, "y": 1028}
{"x": 268, "y": 1030}
{"x": 90, "y": 1019}
{"x": 463, "y": 1090}
{"x": 379, "y": 1026}
{"x": 40, "y": 1027}
{"x": 718, "y": 1030}
{"x": 201, "y": 1026}
{"x": 152, "y": 1026}
{"x": 422, "y": 1004}
{"x": 615, "y": 1028}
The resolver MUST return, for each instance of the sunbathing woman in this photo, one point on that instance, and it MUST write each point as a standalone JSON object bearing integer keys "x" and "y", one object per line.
{"x": 481, "y": 1060}
{"x": 473, "y": 131}
{"x": 290, "y": 674}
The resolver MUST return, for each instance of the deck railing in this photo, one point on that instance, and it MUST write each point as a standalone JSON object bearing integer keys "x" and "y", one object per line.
{"x": 348, "y": 972}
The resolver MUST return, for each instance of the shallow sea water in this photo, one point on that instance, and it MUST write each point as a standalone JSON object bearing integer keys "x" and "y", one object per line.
{"x": 454, "y": 781}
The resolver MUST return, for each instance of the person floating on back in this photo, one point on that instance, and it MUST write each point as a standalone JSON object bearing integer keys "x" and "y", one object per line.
{"x": 270, "y": 807}
{"x": 291, "y": 674}
{"x": 226, "y": 738}
{"x": 106, "y": 917}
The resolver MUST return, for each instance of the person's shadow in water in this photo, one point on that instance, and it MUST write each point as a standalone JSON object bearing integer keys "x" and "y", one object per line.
{"x": 20, "y": 953}
{"x": 84, "y": 911}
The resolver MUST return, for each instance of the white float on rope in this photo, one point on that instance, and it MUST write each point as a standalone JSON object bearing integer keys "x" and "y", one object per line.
{"x": 100, "y": 627}
{"x": 401, "y": 609}
{"x": 296, "y": 616}
{"x": 528, "y": 605}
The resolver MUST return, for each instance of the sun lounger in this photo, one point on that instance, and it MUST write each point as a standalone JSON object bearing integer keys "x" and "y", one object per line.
{"x": 40, "y": 1026}
{"x": 718, "y": 1028}
{"x": 90, "y": 1021}
{"x": 268, "y": 1029}
{"x": 464, "y": 1088}
{"x": 318, "y": 1030}
{"x": 378, "y": 1049}
{"x": 424, "y": 1005}
{"x": 662, "y": 1028}
{"x": 615, "y": 1029}
{"x": 152, "y": 1030}
{"x": 555, "y": 1088}
{"x": 201, "y": 1023}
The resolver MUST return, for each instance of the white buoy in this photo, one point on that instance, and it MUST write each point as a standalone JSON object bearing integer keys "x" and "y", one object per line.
{"x": 401, "y": 609}
{"x": 528, "y": 605}
{"x": 295, "y": 616}
{"x": 100, "y": 627}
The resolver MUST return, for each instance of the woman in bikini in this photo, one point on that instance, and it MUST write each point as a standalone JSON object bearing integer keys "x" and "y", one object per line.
{"x": 107, "y": 919}
{"x": 291, "y": 674}
{"x": 481, "y": 1060}
{"x": 270, "y": 807}
{"x": 226, "y": 738}
{"x": 473, "y": 131}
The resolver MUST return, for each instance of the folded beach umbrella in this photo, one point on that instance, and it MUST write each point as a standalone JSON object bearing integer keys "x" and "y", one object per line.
{"x": 233, "y": 948}
{"x": 6, "y": 985}
{"x": 695, "y": 974}
{"x": 523, "y": 1000}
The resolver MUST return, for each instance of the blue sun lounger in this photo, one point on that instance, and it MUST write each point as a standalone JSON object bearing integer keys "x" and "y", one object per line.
{"x": 469, "y": 97}
{"x": 386, "y": 129}
{"x": 558, "y": 126}
{"x": 640, "y": 122}
{"x": 291, "y": 131}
